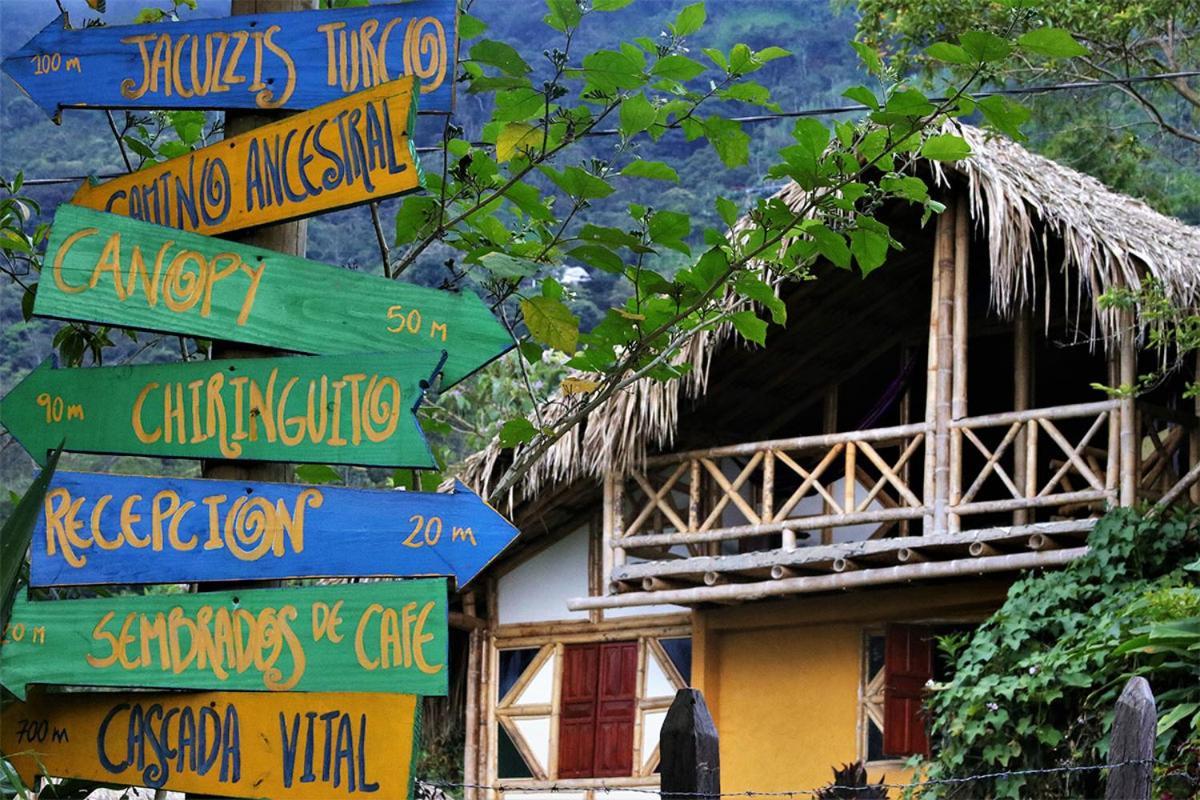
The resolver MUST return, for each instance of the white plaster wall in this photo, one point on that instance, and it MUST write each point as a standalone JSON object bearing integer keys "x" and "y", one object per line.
{"x": 537, "y": 590}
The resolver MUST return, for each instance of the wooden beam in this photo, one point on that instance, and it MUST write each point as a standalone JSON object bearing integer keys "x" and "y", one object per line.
{"x": 1127, "y": 337}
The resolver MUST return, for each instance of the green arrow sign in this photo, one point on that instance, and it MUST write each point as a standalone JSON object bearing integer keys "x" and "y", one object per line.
{"x": 114, "y": 270}
{"x": 367, "y": 637}
{"x": 326, "y": 409}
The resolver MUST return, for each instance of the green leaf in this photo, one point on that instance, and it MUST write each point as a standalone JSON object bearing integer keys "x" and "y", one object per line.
{"x": 1005, "y": 115}
{"x": 600, "y": 257}
{"x": 1052, "y": 42}
{"x": 869, "y": 249}
{"x": 677, "y": 68}
{"x": 189, "y": 125}
{"x": 516, "y": 105}
{"x": 505, "y": 266}
{"x": 609, "y": 5}
{"x": 515, "y": 139}
{"x": 469, "y": 27}
{"x": 945, "y": 147}
{"x": 563, "y": 14}
{"x": 551, "y": 323}
{"x": 750, "y": 326}
{"x": 654, "y": 170}
{"x": 754, "y": 288}
{"x": 729, "y": 140}
{"x": 869, "y": 57}
{"x": 515, "y": 431}
{"x": 609, "y": 70}
{"x": 318, "y": 473}
{"x": 636, "y": 115}
{"x": 499, "y": 54}
{"x": 1168, "y": 719}
{"x": 689, "y": 20}
{"x": 949, "y": 53}
{"x": 578, "y": 182}
{"x": 669, "y": 228}
{"x": 861, "y": 94}
{"x": 414, "y": 217}
{"x": 750, "y": 92}
{"x": 831, "y": 245}
{"x": 17, "y": 532}
{"x": 147, "y": 15}
{"x": 985, "y": 46}
{"x": 728, "y": 210}
{"x": 769, "y": 54}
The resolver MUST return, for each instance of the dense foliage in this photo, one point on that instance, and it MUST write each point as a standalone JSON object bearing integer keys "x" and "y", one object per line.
{"x": 1035, "y": 686}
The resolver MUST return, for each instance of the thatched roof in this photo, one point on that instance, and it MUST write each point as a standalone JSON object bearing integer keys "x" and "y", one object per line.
{"x": 1020, "y": 201}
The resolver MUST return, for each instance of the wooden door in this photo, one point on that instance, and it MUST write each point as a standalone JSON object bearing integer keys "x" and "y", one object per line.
{"x": 908, "y": 665}
{"x": 598, "y": 705}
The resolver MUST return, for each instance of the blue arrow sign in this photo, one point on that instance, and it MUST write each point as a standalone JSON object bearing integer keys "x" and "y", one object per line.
{"x": 291, "y": 60}
{"x": 122, "y": 529}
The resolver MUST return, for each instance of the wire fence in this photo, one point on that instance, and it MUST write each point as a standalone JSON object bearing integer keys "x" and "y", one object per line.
{"x": 845, "y": 789}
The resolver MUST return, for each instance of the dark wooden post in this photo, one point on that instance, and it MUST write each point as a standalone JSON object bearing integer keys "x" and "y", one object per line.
{"x": 1132, "y": 739}
{"x": 690, "y": 756}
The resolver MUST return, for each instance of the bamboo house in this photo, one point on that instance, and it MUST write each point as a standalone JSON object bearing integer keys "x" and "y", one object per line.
{"x": 787, "y": 528}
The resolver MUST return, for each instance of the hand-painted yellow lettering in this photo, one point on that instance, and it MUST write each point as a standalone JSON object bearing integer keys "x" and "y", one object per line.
{"x": 255, "y": 278}
{"x": 214, "y": 521}
{"x": 128, "y": 519}
{"x": 97, "y": 532}
{"x": 109, "y": 261}
{"x": 360, "y": 633}
{"x": 183, "y": 289}
{"x": 355, "y": 406}
{"x": 130, "y": 89}
{"x": 61, "y": 255}
{"x": 216, "y": 275}
{"x": 99, "y": 634}
{"x": 138, "y": 429}
{"x": 420, "y": 639}
{"x": 59, "y": 518}
{"x": 266, "y": 98}
{"x": 325, "y": 621}
{"x": 290, "y": 439}
{"x": 159, "y": 515}
{"x": 330, "y": 29}
{"x": 230, "y": 75}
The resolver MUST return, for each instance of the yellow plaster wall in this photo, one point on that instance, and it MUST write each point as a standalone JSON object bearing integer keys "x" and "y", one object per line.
{"x": 782, "y": 679}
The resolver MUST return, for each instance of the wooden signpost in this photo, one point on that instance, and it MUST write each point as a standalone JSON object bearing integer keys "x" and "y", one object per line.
{"x": 332, "y": 409}
{"x": 107, "y": 269}
{"x": 339, "y": 154}
{"x": 233, "y": 744}
{"x": 367, "y": 637}
{"x": 294, "y": 61}
{"x": 99, "y": 529}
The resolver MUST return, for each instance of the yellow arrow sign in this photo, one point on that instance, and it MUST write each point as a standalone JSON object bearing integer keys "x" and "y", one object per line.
{"x": 232, "y": 744}
{"x": 337, "y": 155}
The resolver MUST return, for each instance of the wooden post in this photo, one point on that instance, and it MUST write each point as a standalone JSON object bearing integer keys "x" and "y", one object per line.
{"x": 285, "y": 237}
{"x": 931, "y": 383}
{"x": 958, "y": 402}
{"x": 1132, "y": 740}
{"x": 905, "y": 412}
{"x": 1022, "y": 401}
{"x": 944, "y": 372}
{"x": 1129, "y": 443}
{"x": 829, "y": 424}
{"x": 690, "y": 756}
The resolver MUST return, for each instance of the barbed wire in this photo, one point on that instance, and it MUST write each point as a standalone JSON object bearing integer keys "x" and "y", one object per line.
{"x": 824, "y": 111}
{"x": 916, "y": 784}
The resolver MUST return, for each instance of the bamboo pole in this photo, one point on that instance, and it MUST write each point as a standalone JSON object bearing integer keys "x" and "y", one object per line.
{"x": 814, "y": 442}
{"x": 829, "y": 424}
{"x": 931, "y": 369}
{"x": 944, "y": 374}
{"x": 1129, "y": 469}
{"x": 958, "y": 402}
{"x": 905, "y": 412}
{"x": 1022, "y": 398}
{"x": 835, "y": 582}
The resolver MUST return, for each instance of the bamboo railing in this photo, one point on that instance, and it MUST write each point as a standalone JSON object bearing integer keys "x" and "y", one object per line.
{"x": 1053, "y": 463}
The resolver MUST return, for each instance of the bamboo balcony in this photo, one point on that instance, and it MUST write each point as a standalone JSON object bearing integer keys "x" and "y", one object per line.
{"x": 1014, "y": 489}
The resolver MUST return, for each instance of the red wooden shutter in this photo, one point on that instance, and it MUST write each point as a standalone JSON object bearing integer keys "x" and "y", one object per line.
{"x": 598, "y": 704}
{"x": 616, "y": 709}
{"x": 908, "y": 665}
{"x": 577, "y": 716}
